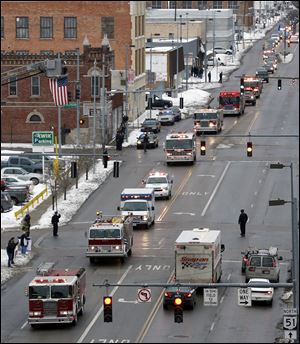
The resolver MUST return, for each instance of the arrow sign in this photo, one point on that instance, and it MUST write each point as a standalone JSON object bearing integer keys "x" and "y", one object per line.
{"x": 290, "y": 335}
{"x": 244, "y": 297}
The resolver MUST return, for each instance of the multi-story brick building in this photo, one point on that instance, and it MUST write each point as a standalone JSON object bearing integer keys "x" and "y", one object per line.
{"x": 47, "y": 27}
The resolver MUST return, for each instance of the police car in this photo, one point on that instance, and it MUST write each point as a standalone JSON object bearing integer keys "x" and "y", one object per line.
{"x": 161, "y": 183}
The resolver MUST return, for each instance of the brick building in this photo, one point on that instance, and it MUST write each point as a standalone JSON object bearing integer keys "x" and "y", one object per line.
{"x": 44, "y": 28}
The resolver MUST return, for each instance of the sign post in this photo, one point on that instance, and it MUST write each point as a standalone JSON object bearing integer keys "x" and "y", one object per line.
{"x": 244, "y": 297}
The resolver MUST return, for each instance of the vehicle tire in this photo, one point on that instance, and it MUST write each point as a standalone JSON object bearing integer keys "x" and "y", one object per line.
{"x": 129, "y": 253}
{"x": 254, "y": 103}
{"x": 270, "y": 303}
{"x": 246, "y": 280}
{"x": 81, "y": 311}
{"x": 222, "y": 64}
{"x": 267, "y": 81}
{"x": 35, "y": 181}
{"x": 34, "y": 326}
{"x": 165, "y": 307}
{"x": 122, "y": 260}
{"x": 168, "y": 163}
{"x": 258, "y": 96}
{"x": 157, "y": 145}
{"x": 243, "y": 270}
{"x": 92, "y": 260}
{"x": 14, "y": 200}
{"x": 74, "y": 322}
{"x": 2, "y": 210}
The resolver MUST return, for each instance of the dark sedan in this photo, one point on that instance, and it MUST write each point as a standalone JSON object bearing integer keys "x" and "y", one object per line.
{"x": 269, "y": 67}
{"x": 187, "y": 294}
{"x": 152, "y": 141}
{"x": 262, "y": 73}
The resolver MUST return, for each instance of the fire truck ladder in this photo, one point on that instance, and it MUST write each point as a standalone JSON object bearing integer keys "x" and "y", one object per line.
{"x": 44, "y": 268}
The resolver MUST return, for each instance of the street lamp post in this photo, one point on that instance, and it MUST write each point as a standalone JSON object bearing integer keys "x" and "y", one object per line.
{"x": 94, "y": 118}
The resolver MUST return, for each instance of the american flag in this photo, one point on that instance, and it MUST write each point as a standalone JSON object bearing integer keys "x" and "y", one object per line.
{"x": 59, "y": 90}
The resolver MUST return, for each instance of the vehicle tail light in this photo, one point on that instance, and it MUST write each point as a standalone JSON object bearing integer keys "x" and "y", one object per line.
{"x": 274, "y": 264}
{"x": 245, "y": 259}
{"x": 188, "y": 295}
{"x": 212, "y": 123}
{"x": 167, "y": 295}
{"x": 256, "y": 89}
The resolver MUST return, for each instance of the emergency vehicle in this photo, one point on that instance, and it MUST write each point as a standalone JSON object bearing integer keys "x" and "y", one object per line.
{"x": 232, "y": 103}
{"x": 208, "y": 120}
{"x": 161, "y": 183}
{"x": 110, "y": 236}
{"x": 254, "y": 83}
{"x": 180, "y": 147}
{"x": 56, "y": 295}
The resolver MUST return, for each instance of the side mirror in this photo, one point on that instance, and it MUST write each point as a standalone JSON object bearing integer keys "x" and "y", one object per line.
{"x": 118, "y": 208}
{"x": 152, "y": 208}
{"x": 222, "y": 247}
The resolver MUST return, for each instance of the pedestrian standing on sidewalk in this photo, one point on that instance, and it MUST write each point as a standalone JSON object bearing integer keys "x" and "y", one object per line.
{"x": 209, "y": 76}
{"x": 10, "y": 250}
{"x": 243, "y": 218}
{"x": 26, "y": 224}
{"x": 54, "y": 221}
{"x": 221, "y": 78}
{"x": 23, "y": 243}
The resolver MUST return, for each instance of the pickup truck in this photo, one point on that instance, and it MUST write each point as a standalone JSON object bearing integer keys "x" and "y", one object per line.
{"x": 24, "y": 162}
{"x": 17, "y": 194}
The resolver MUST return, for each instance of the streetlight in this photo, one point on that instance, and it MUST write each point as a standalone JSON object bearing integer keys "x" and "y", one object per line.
{"x": 295, "y": 248}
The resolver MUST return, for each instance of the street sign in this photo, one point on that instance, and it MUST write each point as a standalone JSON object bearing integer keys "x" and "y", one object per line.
{"x": 210, "y": 297}
{"x": 70, "y": 106}
{"x": 42, "y": 138}
{"x": 290, "y": 311}
{"x": 289, "y": 322}
{"x": 290, "y": 335}
{"x": 244, "y": 297}
{"x": 144, "y": 295}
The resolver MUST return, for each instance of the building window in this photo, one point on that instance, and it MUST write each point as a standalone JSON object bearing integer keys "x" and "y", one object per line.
{"x": 217, "y": 4}
{"x": 22, "y": 52}
{"x": 233, "y": 5}
{"x": 46, "y": 27}
{"x": 70, "y": 27}
{"x": 172, "y": 4}
{"x": 97, "y": 85}
{"x": 22, "y": 27}
{"x": 35, "y": 86}
{"x": 108, "y": 27}
{"x": 35, "y": 118}
{"x": 13, "y": 86}
{"x": 2, "y": 27}
{"x": 47, "y": 52}
{"x": 186, "y": 4}
{"x": 202, "y": 5}
{"x": 156, "y": 4}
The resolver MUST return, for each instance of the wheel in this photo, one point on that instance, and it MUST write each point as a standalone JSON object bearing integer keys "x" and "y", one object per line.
{"x": 81, "y": 311}
{"x": 270, "y": 303}
{"x": 243, "y": 269}
{"x": 267, "y": 81}
{"x": 168, "y": 163}
{"x": 2, "y": 210}
{"x": 33, "y": 325}
{"x": 157, "y": 145}
{"x": 14, "y": 201}
{"x": 165, "y": 306}
{"x": 74, "y": 322}
{"x": 35, "y": 181}
{"x": 122, "y": 260}
{"x": 246, "y": 280}
{"x": 92, "y": 260}
{"x": 254, "y": 103}
{"x": 129, "y": 253}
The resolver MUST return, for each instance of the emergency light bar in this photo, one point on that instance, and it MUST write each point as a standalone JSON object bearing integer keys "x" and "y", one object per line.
{"x": 124, "y": 197}
{"x": 234, "y": 93}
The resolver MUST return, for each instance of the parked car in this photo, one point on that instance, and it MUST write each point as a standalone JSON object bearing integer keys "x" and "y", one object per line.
{"x": 36, "y": 178}
{"x": 269, "y": 67}
{"x": 6, "y": 202}
{"x": 262, "y": 73}
{"x": 151, "y": 124}
{"x": 38, "y": 158}
{"x": 215, "y": 60}
{"x": 262, "y": 294}
{"x": 187, "y": 294}
{"x": 24, "y": 162}
{"x": 264, "y": 263}
{"x": 18, "y": 195}
{"x": 220, "y": 50}
{"x": 152, "y": 140}
{"x": 166, "y": 117}
{"x": 294, "y": 39}
{"x": 249, "y": 96}
{"x": 176, "y": 113}
{"x": 160, "y": 104}
{"x": 15, "y": 181}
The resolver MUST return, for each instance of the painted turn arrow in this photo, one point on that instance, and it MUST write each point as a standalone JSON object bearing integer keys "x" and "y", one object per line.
{"x": 192, "y": 214}
{"x": 128, "y": 301}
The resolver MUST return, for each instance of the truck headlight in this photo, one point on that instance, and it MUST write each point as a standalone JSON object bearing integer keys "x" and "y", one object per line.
{"x": 117, "y": 247}
{"x": 64, "y": 313}
{"x": 145, "y": 217}
{"x": 35, "y": 314}
{"x": 252, "y": 97}
{"x": 92, "y": 248}
{"x": 139, "y": 142}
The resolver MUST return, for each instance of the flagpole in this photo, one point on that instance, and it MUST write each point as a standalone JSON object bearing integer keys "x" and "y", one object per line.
{"x": 59, "y": 130}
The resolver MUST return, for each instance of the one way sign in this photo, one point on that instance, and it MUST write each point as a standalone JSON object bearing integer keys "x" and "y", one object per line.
{"x": 244, "y": 297}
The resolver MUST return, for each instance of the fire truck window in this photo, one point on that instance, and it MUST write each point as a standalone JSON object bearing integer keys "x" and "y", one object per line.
{"x": 204, "y": 115}
{"x": 229, "y": 100}
{"x": 39, "y": 292}
{"x": 179, "y": 144}
{"x": 61, "y": 291}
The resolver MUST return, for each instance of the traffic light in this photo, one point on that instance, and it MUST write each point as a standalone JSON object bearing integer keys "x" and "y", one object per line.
{"x": 279, "y": 84}
{"x": 73, "y": 169}
{"x": 203, "y": 148}
{"x": 249, "y": 149}
{"x": 178, "y": 310}
{"x": 181, "y": 103}
{"x": 116, "y": 169}
{"x": 105, "y": 158}
{"x": 150, "y": 103}
{"x": 107, "y": 308}
{"x": 77, "y": 93}
{"x": 125, "y": 118}
{"x": 81, "y": 121}
{"x": 242, "y": 86}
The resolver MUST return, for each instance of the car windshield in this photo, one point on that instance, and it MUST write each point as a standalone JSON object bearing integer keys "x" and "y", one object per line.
{"x": 229, "y": 100}
{"x": 179, "y": 144}
{"x": 261, "y": 70}
{"x": 248, "y": 93}
{"x": 150, "y": 136}
{"x": 105, "y": 233}
{"x": 61, "y": 291}
{"x": 135, "y": 206}
{"x": 149, "y": 121}
{"x": 39, "y": 292}
{"x": 204, "y": 115}
{"x": 157, "y": 180}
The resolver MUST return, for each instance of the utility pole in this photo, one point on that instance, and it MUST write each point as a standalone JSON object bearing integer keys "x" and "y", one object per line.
{"x": 187, "y": 55}
{"x": 205, "y": 51}
{"x": 78, "y": 100}
{"x": 59, "y": 124}
{"x": 150, "y": 95}
{"x": 214, "y": 37}
{"x": 94, "y": 118}
{"x": 126, "y": 90}
{"x": 103, "y": 101}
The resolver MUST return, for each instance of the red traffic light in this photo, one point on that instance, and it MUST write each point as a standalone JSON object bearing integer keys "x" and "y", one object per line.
{"x": 249, "y": 149}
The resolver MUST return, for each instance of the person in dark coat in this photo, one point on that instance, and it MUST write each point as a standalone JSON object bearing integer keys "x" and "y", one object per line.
{"x": 200, "y": 72}
{"x": 26, "y": 224}
{"x": 209, "y": 76}
{"x": 145, "y": 141}
{"x": 243, "y": 218}
{"x": 10, "y": 250}
{"x": 54, "y": 221}
{"x": 221, "y": 78}
{"x": 119, "y": 139}
{"x": 24, "y": 243}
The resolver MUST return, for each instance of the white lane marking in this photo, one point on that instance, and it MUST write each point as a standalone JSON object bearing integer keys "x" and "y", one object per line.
{"x": 128, "y": 301}
{"x": 212, "y": 326}
{"x": 206, "y": 175}
{"x": 26, "y": 322}
{"x": 255, "y": 193}
{"x": 215, "y": 189}
{"x": 80, "y": 223}
{"x": 260, "y": 181}
{"x": 92, "y": 341}
{"x": 264, "y": 170}
{"x": 161, "y": 241}
{"x": 91, "y": 324}
{"x": 39, "y": 240}
{"x": 252, "y": 205}
{"x": 228, "y": 278}
{"x": 222, "y": 299}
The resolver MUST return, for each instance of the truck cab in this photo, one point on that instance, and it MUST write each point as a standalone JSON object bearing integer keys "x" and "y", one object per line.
{"x": 161, "y": 183}
{"x": 140, "y": 203}
{"x": 232, "y": 103}
{"x": 208, "y": 120}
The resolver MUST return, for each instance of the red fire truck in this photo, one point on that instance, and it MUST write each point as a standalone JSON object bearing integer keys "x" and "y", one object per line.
{"x": 180, "y": 147}
{"x": 232, "y": 103}
{"x": 56, "y": 295}
{"x": 255, "y": 83}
